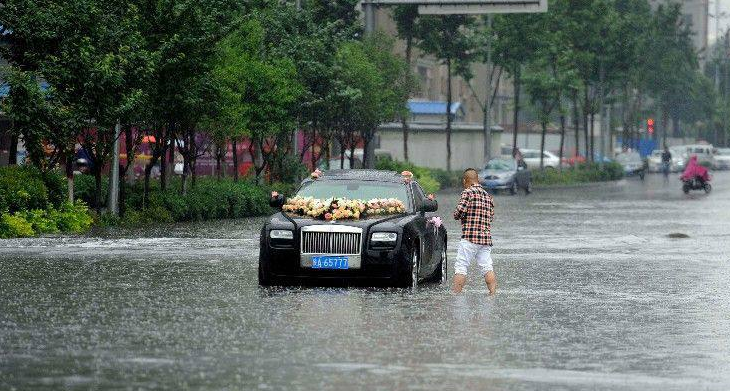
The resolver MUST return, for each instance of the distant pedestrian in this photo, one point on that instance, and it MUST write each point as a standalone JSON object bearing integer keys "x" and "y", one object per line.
{"x": 666, "y": 162}
{"x": 476, "y": 212}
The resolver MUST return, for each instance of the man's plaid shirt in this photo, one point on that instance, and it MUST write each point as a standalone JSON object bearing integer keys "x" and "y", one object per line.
{"x": 476, "y": 212}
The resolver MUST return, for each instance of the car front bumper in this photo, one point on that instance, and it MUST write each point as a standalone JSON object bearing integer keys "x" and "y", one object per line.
{"x": 496, "y": 185}
{"x": 287, "y": 265}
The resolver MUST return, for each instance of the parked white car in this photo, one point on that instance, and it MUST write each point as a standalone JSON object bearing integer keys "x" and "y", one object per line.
{"x": 532, "y": 159}
{"x": 704, "y": 153}
{"x": 654, "y": 161}
{"x": 721, "y": 160}
{"x": 679, "y": 157}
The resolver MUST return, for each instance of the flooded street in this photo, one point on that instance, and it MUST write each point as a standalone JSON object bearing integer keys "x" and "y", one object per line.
{"x": 593, "y": 294}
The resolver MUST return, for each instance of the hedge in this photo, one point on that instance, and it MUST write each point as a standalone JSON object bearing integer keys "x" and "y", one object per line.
{"x": 584, "y": 172}
{"x": 432, "y": 180}
{"x": 210, "y": 199}
{"x": 25, "y": 188}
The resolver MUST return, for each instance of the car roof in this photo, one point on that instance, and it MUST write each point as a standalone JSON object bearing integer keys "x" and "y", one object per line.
{"x": 363, "y": 175}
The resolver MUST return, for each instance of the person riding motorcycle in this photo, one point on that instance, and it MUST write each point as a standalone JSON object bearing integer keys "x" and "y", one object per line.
{"x": 695, "y": 171}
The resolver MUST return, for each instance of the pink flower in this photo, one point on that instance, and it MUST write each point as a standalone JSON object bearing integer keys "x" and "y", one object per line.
{"x": 436, "y": 221}
{"x": 316, "y": 174}
{"x": 431, "y": 197}
{"x": 328, "y": 216}
{"x": 274, "y": 194}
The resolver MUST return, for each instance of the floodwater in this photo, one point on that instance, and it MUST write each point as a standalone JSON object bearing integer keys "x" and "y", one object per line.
{"x": 593, "y": 294}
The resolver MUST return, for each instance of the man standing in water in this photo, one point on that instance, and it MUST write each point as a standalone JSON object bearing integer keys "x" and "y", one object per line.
{"x": 476, "y": 212}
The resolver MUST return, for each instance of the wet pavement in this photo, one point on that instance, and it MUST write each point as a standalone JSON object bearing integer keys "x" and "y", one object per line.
{"x": 593, "y": 294}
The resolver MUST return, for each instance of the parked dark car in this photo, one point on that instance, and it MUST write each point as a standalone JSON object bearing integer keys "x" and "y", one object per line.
{"x": 506, "y": 174}
{"x": 398, "y": 250}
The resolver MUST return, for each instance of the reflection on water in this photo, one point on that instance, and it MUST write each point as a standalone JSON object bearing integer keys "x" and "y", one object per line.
{"x": 592, "y": 295}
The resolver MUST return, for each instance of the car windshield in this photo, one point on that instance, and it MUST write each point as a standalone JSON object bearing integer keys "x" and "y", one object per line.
{"x": 500, "y": 164}
{"x": 363, "y": 190}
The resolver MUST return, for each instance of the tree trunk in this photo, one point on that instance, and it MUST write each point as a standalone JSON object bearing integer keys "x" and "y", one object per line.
{"x": 314, "y": 155}
{"x": 543, "y": 125}
{"x": 664, "y": 125}
{"x": 97, "y": 182}
{"x": 448, "y": 114}
{"x": 13, "y": 150}
{"x": 586, "y": 114}
{"x": 184, "y": 178}
{"x": 146, "y": 195}
{"x": 218, "y": 163}
{"x": 593, "y": 121}
{"x": 352, "y": 155}
{"x": 404, "y": 120}
{"x": 234, "y": 146}
{"x": 258, "y": 160}
{"x": 576, "y": 122}
{"x": 163, "y": 164}
{"x": 70, "y": 177}
{"x": 562, "y": 140}
{"x": 516, "y": 119}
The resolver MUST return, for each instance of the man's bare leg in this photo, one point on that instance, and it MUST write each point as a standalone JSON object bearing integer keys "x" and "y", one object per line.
{"x": 459, "y": 282}
{"x": 491, "y": 279}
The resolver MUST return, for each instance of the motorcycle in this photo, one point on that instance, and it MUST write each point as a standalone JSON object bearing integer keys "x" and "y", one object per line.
{"x": 695, "y": 184}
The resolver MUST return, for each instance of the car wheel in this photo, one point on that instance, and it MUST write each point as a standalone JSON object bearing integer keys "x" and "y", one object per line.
{"x": 513, "y": 188}
{"x": 264, "y": 279}
{"x": 528, "y": 188}
{"x": 440, "y": 275}
{"x": 409, "y": 275}
{"x": 708, "y": 188}
{"x": 641, "y": 175}
{"x": 685, "y": 188}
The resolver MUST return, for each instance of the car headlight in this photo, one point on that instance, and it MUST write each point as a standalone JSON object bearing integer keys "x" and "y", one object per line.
{"x": 281, "y": 234}
{"x": 384, "y": 237}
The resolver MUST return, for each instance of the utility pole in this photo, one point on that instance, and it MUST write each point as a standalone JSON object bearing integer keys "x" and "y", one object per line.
{"x": 488, "y": 100}
{"x": 113, "y": 196}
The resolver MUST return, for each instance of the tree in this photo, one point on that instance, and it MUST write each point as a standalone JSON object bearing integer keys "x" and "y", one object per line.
{"x": 406, "y": 18}
{"x": 516, "y": 40}
{"x": 261, "y": 91}
{"x": 450, "y": 39}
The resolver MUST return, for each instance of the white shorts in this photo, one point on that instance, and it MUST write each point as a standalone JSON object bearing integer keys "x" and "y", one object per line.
{"x": 469, "y": 251}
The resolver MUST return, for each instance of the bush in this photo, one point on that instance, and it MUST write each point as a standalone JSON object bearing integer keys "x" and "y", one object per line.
{"x": 585, "y": 172}
{"x": 22, "y": 188}
{"x": 68, "y": 218}
{"x": 424, "y": 176}
{"x": 14, "y": 226}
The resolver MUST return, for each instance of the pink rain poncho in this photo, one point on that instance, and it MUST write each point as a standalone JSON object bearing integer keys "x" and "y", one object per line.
{"x": 695, "y": 170}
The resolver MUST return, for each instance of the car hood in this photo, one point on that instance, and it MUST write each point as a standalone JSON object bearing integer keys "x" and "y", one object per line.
{"x": 365, "y": 223}
{"x": 500, "y": 173}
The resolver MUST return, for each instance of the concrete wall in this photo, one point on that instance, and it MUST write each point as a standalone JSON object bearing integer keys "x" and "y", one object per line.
{"x": 427, "y": 144}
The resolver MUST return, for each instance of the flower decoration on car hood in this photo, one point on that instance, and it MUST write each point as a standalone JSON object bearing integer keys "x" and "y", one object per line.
{"x": 316, "y": 174}
{"x": 333, "y": 209}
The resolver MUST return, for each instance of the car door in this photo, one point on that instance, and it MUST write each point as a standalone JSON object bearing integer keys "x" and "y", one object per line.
{"x": 427, "y": 235}
{"x": 522, "y": 174}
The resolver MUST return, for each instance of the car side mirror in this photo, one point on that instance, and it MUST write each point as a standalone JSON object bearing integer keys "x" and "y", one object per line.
{"x": 429, "y": 206}
{"x": 277, "y": 202}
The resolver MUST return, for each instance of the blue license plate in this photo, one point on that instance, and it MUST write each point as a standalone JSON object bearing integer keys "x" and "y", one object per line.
{"x": 329, "y": 262}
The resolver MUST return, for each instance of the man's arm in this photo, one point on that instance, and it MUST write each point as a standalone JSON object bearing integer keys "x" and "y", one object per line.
{"x": 490, "y": 206}
{"x": 462, "y": 205}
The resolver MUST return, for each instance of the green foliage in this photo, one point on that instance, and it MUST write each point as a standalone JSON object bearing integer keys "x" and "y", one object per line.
{"x": 426, "y": 177}
{"x": 585, "y": 172}
{"x": 14, "y": 226}
{"x": 25, "y": 188}
{"x": 67, "y": 218}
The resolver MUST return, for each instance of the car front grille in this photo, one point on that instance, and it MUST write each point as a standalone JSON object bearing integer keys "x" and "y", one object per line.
{"x": 331, "y": 239}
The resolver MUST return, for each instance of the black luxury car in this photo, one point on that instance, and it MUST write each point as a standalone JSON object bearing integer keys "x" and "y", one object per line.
{"x": 399, "y": 250}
